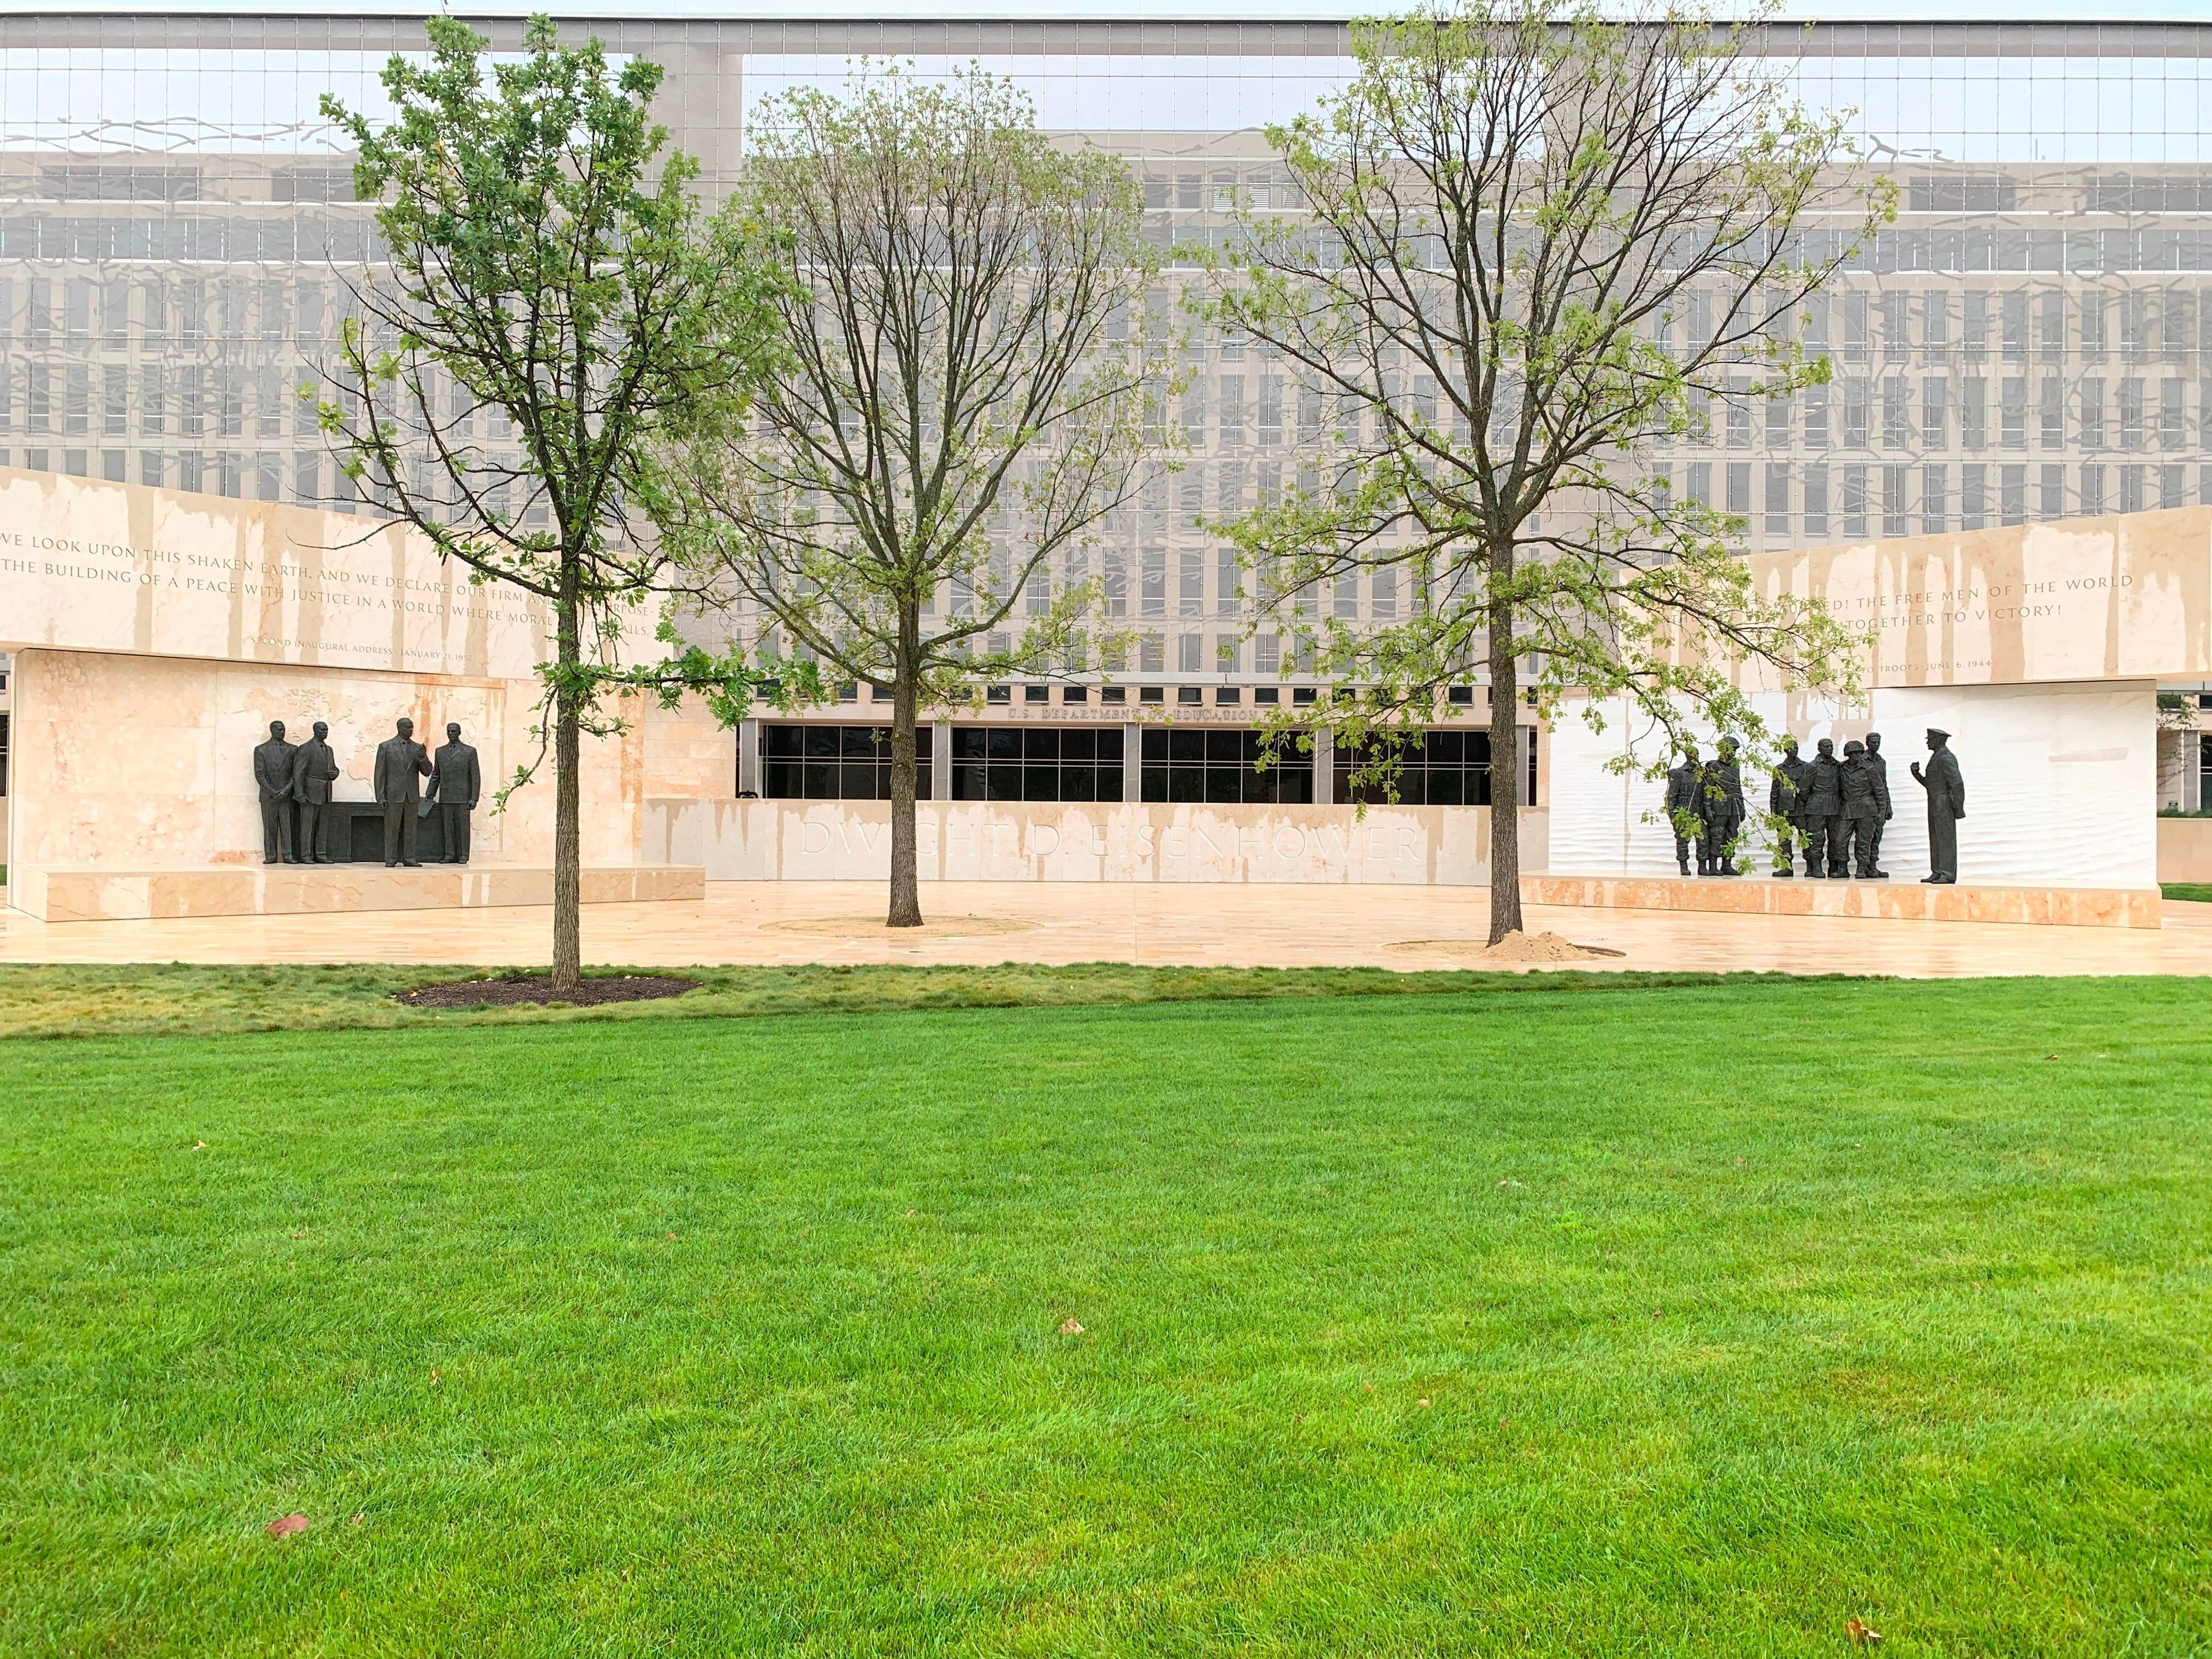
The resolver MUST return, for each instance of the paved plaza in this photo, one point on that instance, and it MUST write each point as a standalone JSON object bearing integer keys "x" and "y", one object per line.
{"x": 1224, "y": 926}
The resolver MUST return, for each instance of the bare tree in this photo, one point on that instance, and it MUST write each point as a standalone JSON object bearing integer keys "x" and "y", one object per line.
{"x": 548, "y": 306}
{"x": 960, "y": 402}
{"x": 1508, "y": 210}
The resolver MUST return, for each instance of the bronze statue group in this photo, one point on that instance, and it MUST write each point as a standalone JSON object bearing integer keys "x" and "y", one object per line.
{"x": 1831, "y": 811}
{"x": 295, "y": 779}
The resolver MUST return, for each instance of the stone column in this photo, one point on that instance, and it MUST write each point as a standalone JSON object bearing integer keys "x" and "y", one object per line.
{"x": 1324, "y": 760}
{"x": 1133, "y": 764}
{"x": 748, "y": 766}
{"x": 940, "y": 760}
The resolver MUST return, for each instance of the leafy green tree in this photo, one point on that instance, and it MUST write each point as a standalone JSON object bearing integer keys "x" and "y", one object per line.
{"x": 1487, "y": 305}
{"x": 547, "y": 308}
{"x": 960, "y": 402}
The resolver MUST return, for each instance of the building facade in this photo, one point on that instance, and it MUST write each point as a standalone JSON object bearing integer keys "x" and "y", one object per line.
{"x": 2031, "y": 341}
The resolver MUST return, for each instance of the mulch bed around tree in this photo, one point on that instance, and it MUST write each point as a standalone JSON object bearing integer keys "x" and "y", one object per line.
{"x": 517, "y": 989}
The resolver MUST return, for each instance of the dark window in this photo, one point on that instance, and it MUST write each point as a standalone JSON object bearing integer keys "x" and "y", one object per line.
{"x": 4, "y": 746}
{"x": 1037, "y": 762}
{"x": 1448, "y": 767}
{"x": 835, "y": 763}
{"x": 1193, "y": 764}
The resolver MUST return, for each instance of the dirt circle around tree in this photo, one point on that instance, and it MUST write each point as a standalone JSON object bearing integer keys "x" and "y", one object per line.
{"x": 1514, "y": 949}
{"x": 873, "y": 927}
{"x": 524, "y": 990}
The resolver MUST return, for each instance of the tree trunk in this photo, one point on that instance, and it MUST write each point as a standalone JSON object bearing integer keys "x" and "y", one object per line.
{"x": 1505, "y": 773}
{"x": 906, "y": 890}
{"x": 568, "y": 815}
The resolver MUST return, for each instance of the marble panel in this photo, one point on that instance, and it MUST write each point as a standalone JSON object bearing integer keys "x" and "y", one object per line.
{"x": 2061, "y": 782}
{"x": 2062, "y": 907}
{"x": 94, "y": 566}
{"x": 965, "y": 841}
{"x": 2128, "y": 597}
{"x": 94, "y": 895}
{"x": 144, "y": 762}
{"x": 2184, "y": 849}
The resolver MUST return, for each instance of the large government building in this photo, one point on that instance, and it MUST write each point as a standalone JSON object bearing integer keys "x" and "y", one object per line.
{"x": 2030, "y": 341}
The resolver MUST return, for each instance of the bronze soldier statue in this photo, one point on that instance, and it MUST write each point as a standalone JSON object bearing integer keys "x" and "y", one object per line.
{"x": 1682, "y": 791}
{"x": 400, "y": 762}
{"x": 1879, "y": 769}
{"x": 1860, "y": 816}
{"x": 1720, "y": 811}
{"x": 314, "y": 768}
{"x": 1824, "y": 807}
{"x": 1946, "y": 805}
{"x": 456, "y": 780}
{"x": 1785, "y": 799}
{"x": 272, "y": 776}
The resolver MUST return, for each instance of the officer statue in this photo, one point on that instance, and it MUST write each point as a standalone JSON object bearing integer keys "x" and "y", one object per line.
{"x": 272, "y": 776}
{"x": 1879, "y": 769}
{"x": 1682, "y": 793}
{"x": 456, "y": 782}
{"x": 1720, "y": 813}
{"x": 1946, "y": 805}
{"x": 400, "y": 761}
{"x": 1824, "y": 810}
{"x": 1861, "y": 818}
{"x": 314, "y": 769}
{"x": 1785, "y": 799}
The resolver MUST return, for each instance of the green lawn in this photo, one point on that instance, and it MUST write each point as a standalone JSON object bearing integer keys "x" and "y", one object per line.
{"x": 1738, "y": 1310}
{"x": 2193, "y": 893}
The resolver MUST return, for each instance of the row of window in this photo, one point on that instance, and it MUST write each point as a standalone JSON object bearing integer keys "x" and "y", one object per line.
{"x": 1818, "y": 500}
{"x": 2127, "y": 413}
{"x": 85, "y": 313}
{"x": 1962, "y": 250}
{"x": 315, "y": 239}
{"x": 2138, "y": 324}
{"x": 2051, "y": 325}
{"x": 1780, "y": 499}
{"x": 2130, "y": 414}
{"x": 1448, "y": 768}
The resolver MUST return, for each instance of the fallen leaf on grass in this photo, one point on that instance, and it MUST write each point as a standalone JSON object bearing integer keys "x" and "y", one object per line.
{"x": 1069, "y": 1328}
{"x": 1860, "y": 1634}
{"x": 1421, "y": 1402}
{"x": 199, "y": 1145}
{"x": 285, "y": 1525}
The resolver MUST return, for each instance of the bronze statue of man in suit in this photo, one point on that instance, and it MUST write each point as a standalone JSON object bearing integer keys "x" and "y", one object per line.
{"x": 314, "y": 768}
{"x": 1946, "y": 805}
{"x": 272, "y": 777}
{"x": 400, "y": 761}
{"x": 456, "y": 780}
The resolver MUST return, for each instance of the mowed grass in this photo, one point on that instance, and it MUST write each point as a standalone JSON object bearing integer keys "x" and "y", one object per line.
{"x": 1623, "y": 1321}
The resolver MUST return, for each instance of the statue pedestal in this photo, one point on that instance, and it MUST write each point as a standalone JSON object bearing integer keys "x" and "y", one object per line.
{"x": 1899, "y": 899}
{"x": 86, "y": 894}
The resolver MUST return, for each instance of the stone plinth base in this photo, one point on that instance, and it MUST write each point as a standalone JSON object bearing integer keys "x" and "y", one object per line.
{"x": 1891, "y": 901}
{"x": 276, "y": 890}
